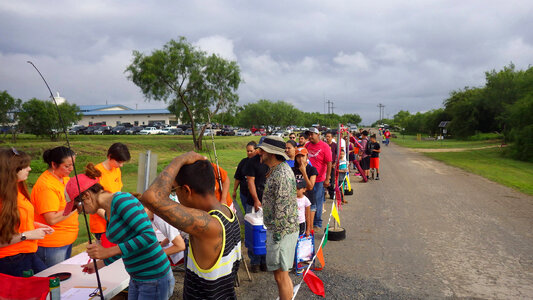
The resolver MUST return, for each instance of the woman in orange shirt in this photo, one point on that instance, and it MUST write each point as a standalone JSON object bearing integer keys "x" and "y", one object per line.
{"x": 48, "y": 198}
{"x": 111, "y": 181}
{"x": 18, "y": 232}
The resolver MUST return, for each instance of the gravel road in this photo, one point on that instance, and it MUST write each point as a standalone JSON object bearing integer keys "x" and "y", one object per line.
{"x": 424, "y": 231}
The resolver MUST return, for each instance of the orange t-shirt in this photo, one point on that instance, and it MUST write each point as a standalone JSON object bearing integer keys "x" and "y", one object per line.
{"x": 111, "y": 180}
{"x": 26, "y": 224}
{"x": 48, "y": 195}
{"x": 224, "y": 177}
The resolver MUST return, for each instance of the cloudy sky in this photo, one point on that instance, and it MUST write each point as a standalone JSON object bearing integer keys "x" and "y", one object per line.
{"x": 404, "y": 54}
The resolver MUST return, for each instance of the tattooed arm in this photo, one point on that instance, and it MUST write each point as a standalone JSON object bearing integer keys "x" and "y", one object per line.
{"x": 193, "y": 221}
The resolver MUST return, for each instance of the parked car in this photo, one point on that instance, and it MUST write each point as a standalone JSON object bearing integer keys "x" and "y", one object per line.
{"x": 103, "y": 130}
{"x": 207, "y": 132}
{"x": 243, "y": 132}
{"x": 118, "y": 130}
{"x": 78, "y": 129}
{"x": 226, "y": 132}
{"x": 174, "y": 131}
{"x": 90, "y": 129}
{"x": 149, "y": 130}
{"x": 278, "y": 133}
{"x": 133, "y": 130}
{"x": 188, "y": 131}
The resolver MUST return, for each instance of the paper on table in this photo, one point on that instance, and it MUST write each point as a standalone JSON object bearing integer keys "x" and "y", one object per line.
{"x": 79, "y": 292}
{"x": 79, "y": 259}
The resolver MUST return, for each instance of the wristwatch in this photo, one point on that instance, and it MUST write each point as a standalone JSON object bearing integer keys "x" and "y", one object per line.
{"x": 23, "y": 237}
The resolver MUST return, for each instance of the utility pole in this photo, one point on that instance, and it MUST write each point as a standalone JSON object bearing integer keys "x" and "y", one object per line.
{"x": 330, "y": 107}
{"x": 381, "y": 110}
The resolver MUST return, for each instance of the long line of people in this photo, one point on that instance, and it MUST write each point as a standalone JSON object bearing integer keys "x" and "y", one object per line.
{"x": 38, "y": 229}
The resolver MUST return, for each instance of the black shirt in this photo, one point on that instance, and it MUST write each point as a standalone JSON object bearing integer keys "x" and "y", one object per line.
{"x": 311, "y": 171}
{"x": 374, "y": 146}
{"x": 239, "y": 175}
{"x": 254, "y": 168}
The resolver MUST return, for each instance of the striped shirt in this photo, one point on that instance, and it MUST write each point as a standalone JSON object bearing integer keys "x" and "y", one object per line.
{"x": 219, "y": 281}
{"x": 130, "y": 228}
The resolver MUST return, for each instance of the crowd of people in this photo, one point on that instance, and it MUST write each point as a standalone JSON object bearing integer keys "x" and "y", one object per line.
{"x": 288, "y": 180}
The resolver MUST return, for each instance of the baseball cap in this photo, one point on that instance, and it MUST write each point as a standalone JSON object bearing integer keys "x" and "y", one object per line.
{"x": 301, "y": 151}
{"x": 72, "y": 191}
{"x": 312, "y": 130}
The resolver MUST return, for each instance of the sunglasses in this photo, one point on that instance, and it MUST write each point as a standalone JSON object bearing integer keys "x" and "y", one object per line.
{"x": 292, "y": 137}
{"x": 15, "y": 152}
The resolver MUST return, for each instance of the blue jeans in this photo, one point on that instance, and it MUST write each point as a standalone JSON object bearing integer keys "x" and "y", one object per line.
{"x": 255, "y": 259}
{"x": 14, "y": 265}
{"x": 158, "y": 289}
{"x": 244, "y": 201}
{"x": 320, "y": 198}
{"x": 54, "y": 255}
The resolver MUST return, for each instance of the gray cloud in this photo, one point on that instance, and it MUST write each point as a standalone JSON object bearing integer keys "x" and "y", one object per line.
{"x": 357, "y": 54}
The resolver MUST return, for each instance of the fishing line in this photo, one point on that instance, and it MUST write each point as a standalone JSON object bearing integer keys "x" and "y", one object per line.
{"x": 62, "y": 124}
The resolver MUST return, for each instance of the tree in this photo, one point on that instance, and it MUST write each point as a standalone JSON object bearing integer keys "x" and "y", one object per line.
{"x": 9, "y": 109}
{"x": 40, "y": 117}
{"x": 195, "y": 85}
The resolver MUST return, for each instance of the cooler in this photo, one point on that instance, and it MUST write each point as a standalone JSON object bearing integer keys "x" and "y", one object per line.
{"x": 255, "y": 232}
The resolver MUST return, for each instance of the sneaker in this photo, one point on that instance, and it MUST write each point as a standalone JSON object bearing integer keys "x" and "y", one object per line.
{"x": 377, "y": 177}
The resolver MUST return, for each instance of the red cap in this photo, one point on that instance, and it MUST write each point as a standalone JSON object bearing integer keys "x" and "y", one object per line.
{"x": 71, "y": 190}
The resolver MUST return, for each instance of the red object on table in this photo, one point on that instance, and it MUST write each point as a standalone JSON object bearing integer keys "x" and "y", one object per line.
{"x": 18, "y": 288}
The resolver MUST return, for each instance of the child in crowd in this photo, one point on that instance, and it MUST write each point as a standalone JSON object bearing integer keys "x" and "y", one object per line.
{"x": 304, "y": 207}
{"x": 374, "y": 156}
{"x": 343, "y": 170}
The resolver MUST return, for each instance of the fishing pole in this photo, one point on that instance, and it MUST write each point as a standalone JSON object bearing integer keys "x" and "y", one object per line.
{"x": 62, "y": 124}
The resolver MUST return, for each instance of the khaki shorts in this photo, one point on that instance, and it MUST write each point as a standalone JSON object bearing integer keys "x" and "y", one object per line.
{"x": 280, "y": 255}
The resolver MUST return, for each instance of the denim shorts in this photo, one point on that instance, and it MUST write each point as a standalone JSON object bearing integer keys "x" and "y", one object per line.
{"x": 16, "y": 264}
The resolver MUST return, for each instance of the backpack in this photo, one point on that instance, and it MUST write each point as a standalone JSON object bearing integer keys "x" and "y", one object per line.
{"x": 368, "y": 149}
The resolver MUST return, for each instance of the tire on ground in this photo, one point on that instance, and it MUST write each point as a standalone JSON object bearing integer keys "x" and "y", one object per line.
{"x": 338, "y": 235}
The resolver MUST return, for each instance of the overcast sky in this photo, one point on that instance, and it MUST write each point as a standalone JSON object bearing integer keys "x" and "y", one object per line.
{"x": 404, "y": 54}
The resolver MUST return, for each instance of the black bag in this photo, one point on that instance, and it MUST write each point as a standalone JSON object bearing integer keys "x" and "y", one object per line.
{"x": 368, "y": 149}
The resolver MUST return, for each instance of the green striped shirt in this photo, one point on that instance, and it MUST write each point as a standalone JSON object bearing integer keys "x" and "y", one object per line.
{"x": 130, "y": 228}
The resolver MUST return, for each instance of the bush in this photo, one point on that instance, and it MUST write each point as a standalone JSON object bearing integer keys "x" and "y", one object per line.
{"x": 485, "y": 136}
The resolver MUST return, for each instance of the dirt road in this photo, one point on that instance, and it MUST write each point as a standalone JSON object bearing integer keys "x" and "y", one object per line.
{"x": 426, "y": 231}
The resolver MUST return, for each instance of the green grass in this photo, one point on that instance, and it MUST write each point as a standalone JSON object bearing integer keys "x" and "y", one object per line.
{"x": 490, "y": 164}
{"x": 230, "y": 150}
{"x": 409, "y": 141}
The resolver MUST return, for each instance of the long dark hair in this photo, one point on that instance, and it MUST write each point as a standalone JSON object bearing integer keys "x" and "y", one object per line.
{"x": 11, "y": 162}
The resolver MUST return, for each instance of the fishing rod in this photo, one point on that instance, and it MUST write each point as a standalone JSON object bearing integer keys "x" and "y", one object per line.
{"x": 62, "y": 124}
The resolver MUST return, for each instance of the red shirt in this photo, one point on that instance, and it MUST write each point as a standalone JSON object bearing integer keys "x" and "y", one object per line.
{"x": 319, "y": 155}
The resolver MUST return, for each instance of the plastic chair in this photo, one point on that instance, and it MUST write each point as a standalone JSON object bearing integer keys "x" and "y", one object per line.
{"x": 19, "y": 288}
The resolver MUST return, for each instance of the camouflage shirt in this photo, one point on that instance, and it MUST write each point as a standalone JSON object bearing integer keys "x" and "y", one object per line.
{"x": 280, "y": 207}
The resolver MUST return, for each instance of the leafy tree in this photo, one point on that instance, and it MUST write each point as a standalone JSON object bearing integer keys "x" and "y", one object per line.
{"x": 40, "y": 117}
{"x": 9, "y": 108}
{"x": 195, "y": 85}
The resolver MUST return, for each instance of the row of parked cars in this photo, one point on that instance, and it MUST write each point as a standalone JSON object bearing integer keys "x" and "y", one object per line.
{"x": 143, "y": 130}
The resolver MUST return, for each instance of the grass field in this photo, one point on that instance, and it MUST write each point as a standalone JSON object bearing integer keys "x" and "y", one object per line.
{"x": 230, "y": 150}
{"x": 489, "y": 163}
{"x": 410, "y": 141}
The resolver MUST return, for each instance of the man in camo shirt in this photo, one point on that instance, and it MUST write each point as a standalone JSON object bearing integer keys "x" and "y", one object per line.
{"x": 280, "y": 213}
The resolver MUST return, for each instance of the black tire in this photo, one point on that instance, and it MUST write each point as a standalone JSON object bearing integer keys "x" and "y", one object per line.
{"x": 338, "y": 235}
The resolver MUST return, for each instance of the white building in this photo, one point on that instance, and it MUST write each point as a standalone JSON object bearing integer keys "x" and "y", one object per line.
{"x": 115, "y": 114}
